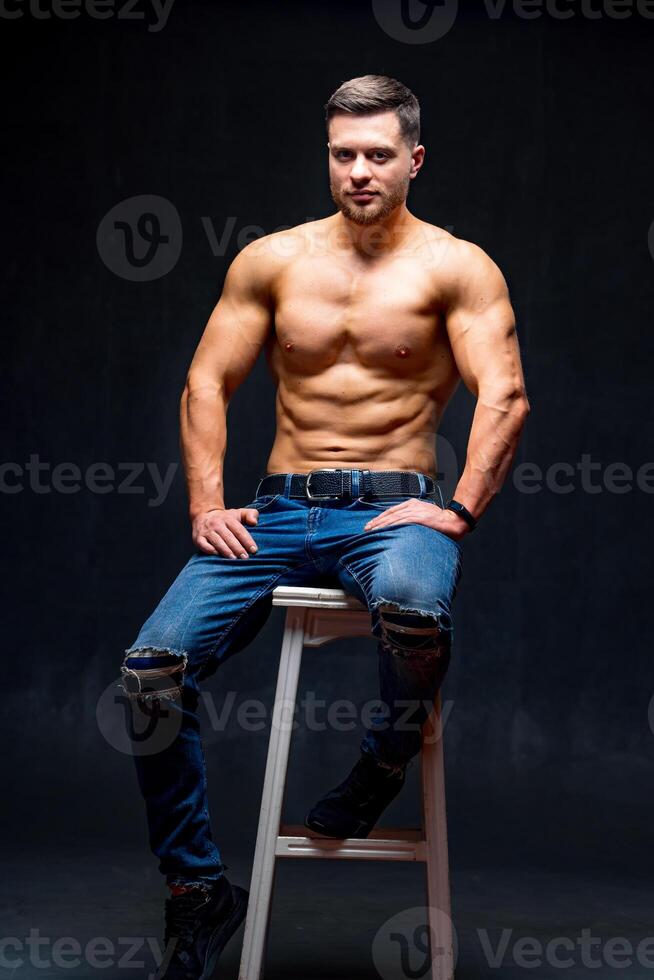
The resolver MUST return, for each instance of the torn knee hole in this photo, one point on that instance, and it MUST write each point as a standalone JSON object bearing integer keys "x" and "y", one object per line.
{"x": 150, "y": 673}
{"x": 411, "y": 633}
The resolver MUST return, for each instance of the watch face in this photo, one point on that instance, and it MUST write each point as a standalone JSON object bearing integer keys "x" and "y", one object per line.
{"x": 464, "y": 512}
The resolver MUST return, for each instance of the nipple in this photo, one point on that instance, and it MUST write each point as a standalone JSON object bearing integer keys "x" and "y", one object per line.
{"x": 289, "y": 346}
{"x": 402, "y": 351}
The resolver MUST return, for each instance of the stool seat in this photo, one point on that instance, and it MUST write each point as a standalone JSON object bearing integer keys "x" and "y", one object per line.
{"x": 315, "y": 598}
{"x": 315, "y": 616}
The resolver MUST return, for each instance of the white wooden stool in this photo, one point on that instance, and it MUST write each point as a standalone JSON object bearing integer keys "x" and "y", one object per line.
{"x": 316, "y": 616}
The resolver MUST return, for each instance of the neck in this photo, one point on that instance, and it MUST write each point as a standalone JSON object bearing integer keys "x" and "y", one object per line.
{"x": 379, "y": 237}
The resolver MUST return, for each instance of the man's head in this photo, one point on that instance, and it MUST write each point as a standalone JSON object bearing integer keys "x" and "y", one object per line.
{"x": 373, "y": 128}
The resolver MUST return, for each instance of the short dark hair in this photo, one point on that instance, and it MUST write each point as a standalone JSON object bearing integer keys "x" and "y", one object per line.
{"x": 375, "y": 93}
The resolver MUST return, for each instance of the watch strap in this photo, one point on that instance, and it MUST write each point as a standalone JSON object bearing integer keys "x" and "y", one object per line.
{"x": 463, "y": 512}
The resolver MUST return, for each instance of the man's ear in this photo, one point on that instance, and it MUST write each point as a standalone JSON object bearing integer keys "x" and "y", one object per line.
{"x": 417, "y": 159}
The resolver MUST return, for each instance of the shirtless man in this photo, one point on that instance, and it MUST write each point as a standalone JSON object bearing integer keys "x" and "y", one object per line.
{"x": 369, "y": 319}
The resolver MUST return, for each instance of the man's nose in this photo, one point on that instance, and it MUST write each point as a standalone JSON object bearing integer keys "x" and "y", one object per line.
{"x": 360, "y": 169}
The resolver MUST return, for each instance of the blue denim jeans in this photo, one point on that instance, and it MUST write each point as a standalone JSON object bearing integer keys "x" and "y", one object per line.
{"x": 406, "y": 575}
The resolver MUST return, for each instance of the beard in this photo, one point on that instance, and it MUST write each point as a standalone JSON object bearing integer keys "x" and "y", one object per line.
{"x": 374, "y": 211}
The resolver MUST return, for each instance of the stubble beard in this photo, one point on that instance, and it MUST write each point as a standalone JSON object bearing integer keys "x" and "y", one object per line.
{"x": 371, "y": 214}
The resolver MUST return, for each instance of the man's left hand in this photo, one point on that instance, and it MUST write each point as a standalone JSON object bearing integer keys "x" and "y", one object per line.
{"x": 418, "y": 512}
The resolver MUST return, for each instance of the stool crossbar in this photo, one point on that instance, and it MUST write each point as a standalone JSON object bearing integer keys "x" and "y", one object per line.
{"x": 316, "y": 616}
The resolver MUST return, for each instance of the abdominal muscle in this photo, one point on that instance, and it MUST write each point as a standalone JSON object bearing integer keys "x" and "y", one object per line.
{"x": 347, "y": 417}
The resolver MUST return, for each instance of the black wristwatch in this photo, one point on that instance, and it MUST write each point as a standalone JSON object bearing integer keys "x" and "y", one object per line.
{"x": 462, "y": 512}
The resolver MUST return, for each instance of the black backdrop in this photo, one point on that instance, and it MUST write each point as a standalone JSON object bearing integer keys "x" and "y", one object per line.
{"x": 539, "y": 149}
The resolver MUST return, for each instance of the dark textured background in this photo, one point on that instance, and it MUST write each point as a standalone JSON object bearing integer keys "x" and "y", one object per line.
{"x": 539, "y": 148}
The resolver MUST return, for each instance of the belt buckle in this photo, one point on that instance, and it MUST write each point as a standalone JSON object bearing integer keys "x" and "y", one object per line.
{"x": 323, "y": 496}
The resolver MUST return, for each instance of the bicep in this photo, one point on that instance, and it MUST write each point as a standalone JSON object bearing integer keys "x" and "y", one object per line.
{"x": 237, "y": 328}
{"x": 481, "y": 328}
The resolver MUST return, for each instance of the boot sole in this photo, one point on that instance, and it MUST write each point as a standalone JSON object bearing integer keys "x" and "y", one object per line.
{"x": 361, "y": 832}
{"x": 224, "y": 931}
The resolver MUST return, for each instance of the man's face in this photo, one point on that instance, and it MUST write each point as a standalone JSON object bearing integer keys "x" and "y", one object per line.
{"x": 370, "y": 165}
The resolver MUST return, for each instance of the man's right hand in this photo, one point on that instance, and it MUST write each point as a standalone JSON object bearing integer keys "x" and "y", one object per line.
{"x": 220, "y": 531}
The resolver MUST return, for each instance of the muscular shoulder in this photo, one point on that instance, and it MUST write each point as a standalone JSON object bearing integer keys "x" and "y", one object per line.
{"x": 463, "y": 269}
{"x": 475, "y": 301}
{"x": 261, "y": 261}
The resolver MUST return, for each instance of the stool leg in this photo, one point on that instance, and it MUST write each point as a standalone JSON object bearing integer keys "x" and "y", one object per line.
{"x": 437, "y": 864}
{"x": 263, "y": 870}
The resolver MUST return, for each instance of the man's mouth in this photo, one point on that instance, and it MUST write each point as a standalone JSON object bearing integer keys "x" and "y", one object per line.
{"x": 363, "y": 195}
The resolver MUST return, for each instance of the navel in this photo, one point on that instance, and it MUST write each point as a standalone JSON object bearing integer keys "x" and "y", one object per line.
{"x": 402, "y": 351}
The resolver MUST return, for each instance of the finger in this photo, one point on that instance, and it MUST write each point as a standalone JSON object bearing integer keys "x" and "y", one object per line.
{"x": 232, "y": 542}
{"x": 388, "y": 510}
{"x": 205, "y": 546}
{"x": 250, "y": 514}
{"x": 219, "y": 544}
{"x": 242, "y": 536}
{"x": 393, "y": 507}
{"x": 385, "y": 521}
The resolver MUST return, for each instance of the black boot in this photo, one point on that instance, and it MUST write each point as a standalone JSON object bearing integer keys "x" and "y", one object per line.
{"x": 198, "y": 924}
{"x": 353, "y": 807}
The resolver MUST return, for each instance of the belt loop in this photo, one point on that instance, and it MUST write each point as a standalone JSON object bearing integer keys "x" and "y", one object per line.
{"x": 287, "y": 485}
{"x": 423, "y": 483}
{"x": 354, "y": 489}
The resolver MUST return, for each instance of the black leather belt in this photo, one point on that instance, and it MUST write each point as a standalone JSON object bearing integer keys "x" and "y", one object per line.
{"x": 332, "y": 484}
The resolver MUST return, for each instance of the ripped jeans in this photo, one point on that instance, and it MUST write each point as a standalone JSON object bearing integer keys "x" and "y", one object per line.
{"x": 405, "y": 574}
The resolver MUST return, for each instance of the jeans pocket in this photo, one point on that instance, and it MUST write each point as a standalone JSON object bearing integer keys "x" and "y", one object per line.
{"x": 265, "y": 502}
{"x": 388, "y": 502}
{"x": 391, "y": 501}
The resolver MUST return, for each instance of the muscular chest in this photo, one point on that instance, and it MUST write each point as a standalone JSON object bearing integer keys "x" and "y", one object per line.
{"x": 384, "y": 317}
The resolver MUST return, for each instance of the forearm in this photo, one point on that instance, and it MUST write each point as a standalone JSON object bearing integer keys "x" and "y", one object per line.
{"x": 203, "y": 441}
{"x": 494, "y": 436}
